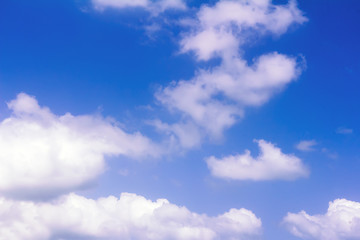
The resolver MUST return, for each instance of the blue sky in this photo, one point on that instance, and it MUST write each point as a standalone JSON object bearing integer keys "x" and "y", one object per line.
{"x": 145, "y": 100}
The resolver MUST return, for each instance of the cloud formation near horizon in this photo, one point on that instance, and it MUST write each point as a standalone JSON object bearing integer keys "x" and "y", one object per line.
{"x": 341, "y": 221}
{"x": 271, "y": 164}
{"x": 129, "y": 217}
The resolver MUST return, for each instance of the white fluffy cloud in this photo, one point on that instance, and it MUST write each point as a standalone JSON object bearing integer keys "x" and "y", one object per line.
{"x": 155, "y": 7}
{"x": 342, "y": 221}
{"x": 216, "y": 98}
{"x": 42, "y": 153}
{"x": 306, "y": 145}
{"x": 220, "y": 29}
{"x": 128, "y": 217}
{"x": 270, "y": 164}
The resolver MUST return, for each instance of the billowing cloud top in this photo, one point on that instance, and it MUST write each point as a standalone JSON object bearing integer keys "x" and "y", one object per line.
{"x": 42, "y": 153}
{"x": 342, "y": 221}
{"x": 128, "y": 217}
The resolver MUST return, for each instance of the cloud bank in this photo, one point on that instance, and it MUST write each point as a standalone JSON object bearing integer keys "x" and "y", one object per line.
{"x": 270, "y": 164}
{"x": 128, "y": 217}
{"x": 342, "y": 221}
{"x": 42, "y": 153}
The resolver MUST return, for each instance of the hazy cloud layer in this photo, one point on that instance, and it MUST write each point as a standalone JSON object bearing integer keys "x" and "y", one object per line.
{"x": 128, "y": 217}
{"x": 42, "y": 153}
{"x": 306, "y": 145}
{"x": 342, "y": 221}
{"x": 271, "y": 164}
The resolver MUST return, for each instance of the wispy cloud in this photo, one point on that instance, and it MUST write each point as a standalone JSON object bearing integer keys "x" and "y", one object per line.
{"x": 344, "y": 130}
{"x": 330, "y": 154}
{"x": 306, "y": 145}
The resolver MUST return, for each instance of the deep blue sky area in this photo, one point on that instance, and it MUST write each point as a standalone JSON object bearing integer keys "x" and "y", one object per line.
{"x": 75, "y": 59}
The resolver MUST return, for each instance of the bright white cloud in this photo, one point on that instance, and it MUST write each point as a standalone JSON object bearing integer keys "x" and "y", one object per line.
{"x": 220, "y": 29}
{"x": 342, "y": 221}
{"x": 155, "y": 7}
{"x": 128, "y": 217}
{"x": 306, "y": 145}
{"x": 270, "y": 164}
{"x": 42, "y": 153}
{"x": 216, "y": 98}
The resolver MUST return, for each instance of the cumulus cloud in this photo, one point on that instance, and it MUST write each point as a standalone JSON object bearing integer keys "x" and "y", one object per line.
{"x": 271, "y": 164}
{"x": 128, "y": 217}
{"x": 155, "y": 7}
{"x": 42, "y": 153}
{"x": 220, "y": 29}
{"x": 306, "y": 145}
{"x": 342, "y": 221}
{"x": 214, "y": 99}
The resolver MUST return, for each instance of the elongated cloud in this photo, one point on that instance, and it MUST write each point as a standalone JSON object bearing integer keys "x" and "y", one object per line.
{"x": 306, "y": 145}
{"x": 42, "y": 153}
{"x": 342, "y": 221}
{"x": 155, "y": 7}
{"x": 128, "y": 217}
{"x": 270, "y": 164}
{"x": 344, "y": 130}
{"x": 216, "y": 98}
